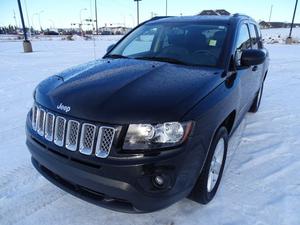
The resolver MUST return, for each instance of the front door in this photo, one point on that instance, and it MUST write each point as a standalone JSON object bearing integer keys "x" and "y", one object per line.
{"x": 245, "y": 74}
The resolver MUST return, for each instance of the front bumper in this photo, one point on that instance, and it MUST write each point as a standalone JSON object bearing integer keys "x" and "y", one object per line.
{"x": 125, "y": 185}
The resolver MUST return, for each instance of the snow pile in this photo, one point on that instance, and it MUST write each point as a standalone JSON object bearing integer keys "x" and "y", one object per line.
{"x": 5, "y": 38}
{"x": 10, "y": 37}
{"x": 261, "y": 181}
{"x": 279, "y": 35}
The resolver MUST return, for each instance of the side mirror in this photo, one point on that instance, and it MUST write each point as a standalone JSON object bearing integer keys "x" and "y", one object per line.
{"x": 110, "y": 47}
{"x": 251, "y": 57}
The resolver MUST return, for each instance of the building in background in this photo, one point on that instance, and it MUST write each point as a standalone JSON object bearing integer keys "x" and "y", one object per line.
{"x": 266, "y": 25}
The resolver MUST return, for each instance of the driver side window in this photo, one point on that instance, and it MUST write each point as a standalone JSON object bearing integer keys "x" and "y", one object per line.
{"x": 243, "y": 42}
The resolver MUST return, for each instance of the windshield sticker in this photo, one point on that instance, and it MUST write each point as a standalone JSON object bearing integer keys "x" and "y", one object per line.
{"x": 212, "y": 42}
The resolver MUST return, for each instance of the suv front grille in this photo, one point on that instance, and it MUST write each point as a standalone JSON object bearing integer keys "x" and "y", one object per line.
{"x": 104, "y": 141}
{"x": 34, "y": 117}
{"x": 87, "y": 138}
{"x": 72, "y": 134}
{"x": 41, "y": 115}
{"x": 59, "y": 131}
{"x": 49, "y": 126}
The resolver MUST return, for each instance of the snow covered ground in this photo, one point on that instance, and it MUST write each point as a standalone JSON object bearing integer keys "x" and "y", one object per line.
{"x": 279, "y": 35}
{"x": 261, "y": 184}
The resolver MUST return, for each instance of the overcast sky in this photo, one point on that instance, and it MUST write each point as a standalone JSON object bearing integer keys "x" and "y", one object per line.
{"x": 61, "y": 13}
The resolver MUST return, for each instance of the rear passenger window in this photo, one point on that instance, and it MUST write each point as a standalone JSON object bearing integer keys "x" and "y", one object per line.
{"x": 253, "y": 34}
{"x": 243, "y": 42}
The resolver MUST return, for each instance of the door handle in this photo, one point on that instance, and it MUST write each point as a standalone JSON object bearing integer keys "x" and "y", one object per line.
{"x": 254, "y": 68}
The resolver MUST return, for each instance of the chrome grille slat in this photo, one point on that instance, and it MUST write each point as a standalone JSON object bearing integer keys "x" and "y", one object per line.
{"x": 34, "y": 117}
{"x": 104, "y": 141}
{"x": 41, "y": 115}
{"x": 87, "y": 138}
{"x": 49, "y": 126}
{"x": 72, "y": 135}
{"x": 59, "y": 131}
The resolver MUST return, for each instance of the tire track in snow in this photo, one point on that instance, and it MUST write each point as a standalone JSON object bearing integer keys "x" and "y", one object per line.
{"x": 16, "y": 178}
{"x": 23, "y": 192}
{"x": 17, "y": 208}
{"x": 234, "y": 143}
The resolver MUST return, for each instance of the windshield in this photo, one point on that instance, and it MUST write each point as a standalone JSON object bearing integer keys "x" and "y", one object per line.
{"x": 189, "y": 44}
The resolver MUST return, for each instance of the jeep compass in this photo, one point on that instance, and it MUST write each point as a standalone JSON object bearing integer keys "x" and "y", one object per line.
{"x": 149, "y": 123}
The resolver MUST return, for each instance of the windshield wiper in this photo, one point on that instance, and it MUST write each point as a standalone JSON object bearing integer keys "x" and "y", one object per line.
{"x": 164, "y": 59}
{"x": 116, "y": 56}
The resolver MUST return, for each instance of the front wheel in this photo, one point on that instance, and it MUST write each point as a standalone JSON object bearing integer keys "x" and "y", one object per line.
{"x": 210, "y": 177}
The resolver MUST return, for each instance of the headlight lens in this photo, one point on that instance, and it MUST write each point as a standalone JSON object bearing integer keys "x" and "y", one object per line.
{"x": 148, "y": 136}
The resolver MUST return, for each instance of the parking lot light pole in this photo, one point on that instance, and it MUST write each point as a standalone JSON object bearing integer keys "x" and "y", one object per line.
{"x": 138, "y": 11}
{"x": 96, "y": 17}
{"x": 166, "y": 7}
{"x": 271, "y": 10}
{"x": 40, "y": 20}
{"x": 26, "y": 43}
{"x": 32, "y": 17}
{"x": 80, "y": 23}
{"x": 289, "y": 40}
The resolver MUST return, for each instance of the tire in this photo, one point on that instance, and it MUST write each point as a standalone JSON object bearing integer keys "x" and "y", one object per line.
{"x": 205, "y": 190}
{"x": 257, "y": 100}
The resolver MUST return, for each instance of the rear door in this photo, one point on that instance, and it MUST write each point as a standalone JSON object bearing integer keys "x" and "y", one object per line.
{"x": 257, "y": 70}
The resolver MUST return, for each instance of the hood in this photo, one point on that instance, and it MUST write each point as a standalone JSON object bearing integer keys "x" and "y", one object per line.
{"x": 123, "y": 91}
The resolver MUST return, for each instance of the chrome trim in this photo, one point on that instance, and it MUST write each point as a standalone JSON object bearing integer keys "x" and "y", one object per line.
{"x": 104, "y": 141}
{"x": 72, "y": 135}
{"x": 59, "y": 133}
{"x": 86, "y": 140}
{"x": 41, "y": 116}
{"x": 34, "y": 117}
{"x": 49, "y": 127}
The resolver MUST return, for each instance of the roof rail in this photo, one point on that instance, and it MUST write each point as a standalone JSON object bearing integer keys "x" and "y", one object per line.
{"x": 239, "y": 14}
{"x": 159, "y": 17}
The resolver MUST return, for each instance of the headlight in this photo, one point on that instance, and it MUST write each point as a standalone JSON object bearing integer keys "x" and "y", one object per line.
{"x": 148, "y": 136}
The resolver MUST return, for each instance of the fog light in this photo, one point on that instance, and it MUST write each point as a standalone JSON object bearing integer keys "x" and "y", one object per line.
{"x": 159, "y": 181}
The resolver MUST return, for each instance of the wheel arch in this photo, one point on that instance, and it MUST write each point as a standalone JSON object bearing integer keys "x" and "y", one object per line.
{"x": 265, "y": 76}
{"x": 228, "y": 122}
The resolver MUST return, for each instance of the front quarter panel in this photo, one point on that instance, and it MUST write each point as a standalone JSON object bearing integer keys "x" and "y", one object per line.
{"x": 209, "y": 115}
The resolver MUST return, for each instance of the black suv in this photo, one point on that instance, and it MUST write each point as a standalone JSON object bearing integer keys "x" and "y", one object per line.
{"x": 149, "y": 123}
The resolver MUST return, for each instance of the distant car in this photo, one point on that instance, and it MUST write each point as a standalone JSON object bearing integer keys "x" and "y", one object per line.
{"x": 149, "y": 123}
{"x": 51, "y": 32}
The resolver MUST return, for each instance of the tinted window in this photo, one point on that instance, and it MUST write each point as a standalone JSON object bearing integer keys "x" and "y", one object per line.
{"x": 253, "y": 34}
{"x": 186, "y": 43}
{"x": 243, "y": 42}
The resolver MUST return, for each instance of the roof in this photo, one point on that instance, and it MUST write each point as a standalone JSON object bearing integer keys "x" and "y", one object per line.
{"x": 218, "y": 19}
